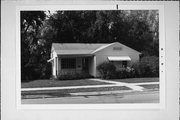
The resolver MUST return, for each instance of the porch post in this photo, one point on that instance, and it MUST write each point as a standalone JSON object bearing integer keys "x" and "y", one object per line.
{"x": 54, "y": 67}
{"x": 57, "y": 66}
{"x": 94, "y": 66}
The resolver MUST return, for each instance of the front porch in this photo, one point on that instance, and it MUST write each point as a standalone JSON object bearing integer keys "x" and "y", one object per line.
{"x": 74, "y": 64}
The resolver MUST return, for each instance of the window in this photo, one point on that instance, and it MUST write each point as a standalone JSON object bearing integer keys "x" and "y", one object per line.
{"x": 68, "y": 63}
{"x": 124, "y": 64}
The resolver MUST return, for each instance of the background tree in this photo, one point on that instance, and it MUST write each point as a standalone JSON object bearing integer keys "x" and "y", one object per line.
{"x": 137, "y": 29}
{"x": 131, "y": 28}
{"x": 31, "y": 56}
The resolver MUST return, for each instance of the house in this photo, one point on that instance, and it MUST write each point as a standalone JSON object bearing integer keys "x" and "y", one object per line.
{"x": 77, "y": 57}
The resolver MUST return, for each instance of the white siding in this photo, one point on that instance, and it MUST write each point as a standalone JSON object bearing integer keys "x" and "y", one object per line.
{"x": 102, "y": 56}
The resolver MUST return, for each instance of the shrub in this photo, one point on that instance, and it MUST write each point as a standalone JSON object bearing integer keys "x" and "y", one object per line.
{"x": 147, "y": 67}
{"x": 107, "y": 70}
{"x": 125, "y": 73}
{"x": 137, "y": 70}
{"x": 52, "y": 77}
{"x": 73, "y": 75}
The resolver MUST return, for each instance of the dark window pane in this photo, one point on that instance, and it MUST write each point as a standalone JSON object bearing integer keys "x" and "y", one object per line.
{"x": 68, "y": 63}
{"x": 124, "y": 63}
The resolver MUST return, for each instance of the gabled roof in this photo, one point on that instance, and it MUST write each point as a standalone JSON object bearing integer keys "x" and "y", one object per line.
{"x": 75, "y": 48}
{"x": 80, "y": 48}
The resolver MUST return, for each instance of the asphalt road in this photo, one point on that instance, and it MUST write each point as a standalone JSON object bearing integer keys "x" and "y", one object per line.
{"x": 135, "y": 97}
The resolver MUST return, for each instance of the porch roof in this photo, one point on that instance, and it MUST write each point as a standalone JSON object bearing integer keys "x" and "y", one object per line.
{"x": 75, "y": 48}
{"x": 119, "y": 58}
{"x": 74, "y": 52}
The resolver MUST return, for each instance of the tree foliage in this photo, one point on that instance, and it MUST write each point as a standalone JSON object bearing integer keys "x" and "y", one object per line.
{"x": 147, "y": 67}
{"x": 32, "y": 60}
{"x": 106, "y": 70}
{"x": 137, "y": 29}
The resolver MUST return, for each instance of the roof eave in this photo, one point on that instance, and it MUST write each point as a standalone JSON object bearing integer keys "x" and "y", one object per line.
{"x": 78, "y": 55}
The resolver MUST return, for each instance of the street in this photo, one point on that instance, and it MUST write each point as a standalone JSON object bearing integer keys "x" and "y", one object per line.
{"x": 132, "y": 97}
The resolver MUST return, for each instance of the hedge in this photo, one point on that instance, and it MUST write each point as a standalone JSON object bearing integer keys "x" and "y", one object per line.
{"x": 147, "y": 67}
{"x": 73, "y": 76}
{"x": 107, "y": 70}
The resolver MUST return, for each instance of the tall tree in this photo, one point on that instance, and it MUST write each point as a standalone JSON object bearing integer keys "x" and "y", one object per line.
{"x": 31, "y": 21}
{"x": 137, "y": 28}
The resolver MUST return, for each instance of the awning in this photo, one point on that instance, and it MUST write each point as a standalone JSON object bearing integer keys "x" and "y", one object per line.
{"x": 119, "y": 58}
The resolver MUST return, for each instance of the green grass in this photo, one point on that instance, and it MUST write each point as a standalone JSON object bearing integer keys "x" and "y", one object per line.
{"x": 137, "y": 80}
{"x": 59, "y": 83}
{"x": 64, "y": 83}
{"x": 65, "y": 92}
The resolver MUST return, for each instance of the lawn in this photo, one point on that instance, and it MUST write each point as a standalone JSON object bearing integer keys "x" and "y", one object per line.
{"x": 152, "y": 87}
{"x": 59, "y": 83}
{"x": 137, "y": 80}
{"x": 66, "y": 92}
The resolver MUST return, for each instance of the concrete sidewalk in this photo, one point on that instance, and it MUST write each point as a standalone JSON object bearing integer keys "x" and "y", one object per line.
{"x": 133, "y": 87}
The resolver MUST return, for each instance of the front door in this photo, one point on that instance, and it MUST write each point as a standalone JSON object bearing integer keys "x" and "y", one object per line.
{"x": 85, "y": 64}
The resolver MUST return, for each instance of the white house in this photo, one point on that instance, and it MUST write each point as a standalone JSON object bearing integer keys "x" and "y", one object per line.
{"x": 77, "y": 57}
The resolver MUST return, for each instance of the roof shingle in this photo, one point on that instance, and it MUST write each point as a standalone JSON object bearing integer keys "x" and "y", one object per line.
{"x": 81, "y": 48}
{"x": 75, "y": 48}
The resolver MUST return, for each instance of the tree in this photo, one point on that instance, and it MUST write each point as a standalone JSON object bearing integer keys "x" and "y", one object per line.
{"x": 137, "y": 29}
{"x": 31, "y": 21}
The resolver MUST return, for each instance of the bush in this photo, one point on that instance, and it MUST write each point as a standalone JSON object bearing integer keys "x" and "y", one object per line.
{"x": 52, "y": 77}
{"x": 125, "y": 73}
{"x": 147, "y": 67}
{"x": 137, "y": 70}
{"x": 107, "y": 70}
{"x": 73, "y": 75}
